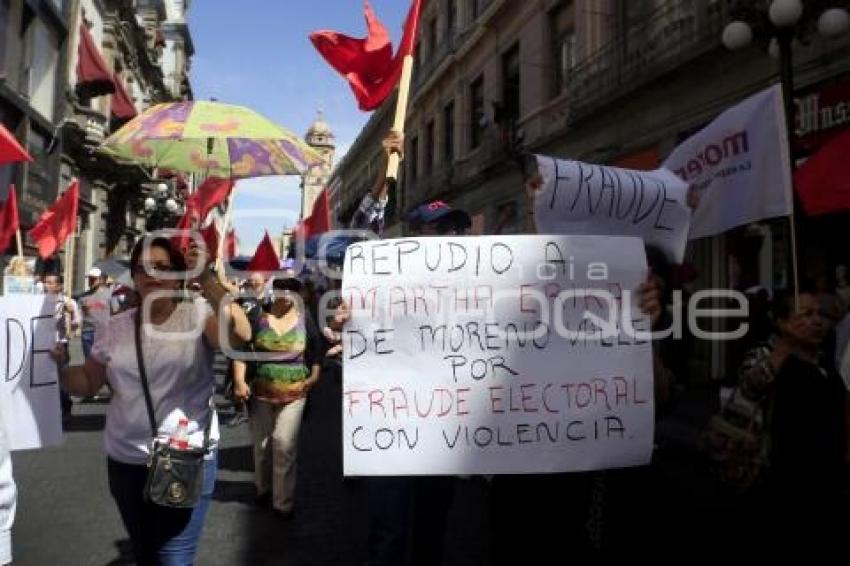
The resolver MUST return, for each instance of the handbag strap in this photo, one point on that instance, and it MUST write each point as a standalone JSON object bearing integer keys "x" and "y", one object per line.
{"x": 143, "y": 374}
{"x": 140, "y": 359}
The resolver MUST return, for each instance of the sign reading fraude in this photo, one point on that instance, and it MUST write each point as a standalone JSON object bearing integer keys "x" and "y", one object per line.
{"x": 581, "y": 198}
{"x": 29, "y": 386}
{"x": 495, "y": 355}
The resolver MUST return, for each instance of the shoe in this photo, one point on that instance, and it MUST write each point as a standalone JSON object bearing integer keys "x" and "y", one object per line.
{"x": 263, "y": 500}
{"x": 284, "y": 515}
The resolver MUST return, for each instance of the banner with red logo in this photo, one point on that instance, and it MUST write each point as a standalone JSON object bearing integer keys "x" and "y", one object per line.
{"x": 738, "y": 166}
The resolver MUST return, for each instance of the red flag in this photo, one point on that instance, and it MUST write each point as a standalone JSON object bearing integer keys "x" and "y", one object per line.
{"x": 368, "y": 63}
{"x": 210, "y": 235}
{"x": 265, "y": 258}
{"x": 319, "y": 220}
{"x": 10, "y": 150}
{"x": 57, "y": 222}
{"x": 823, "y": 181}
{"x": 9, "y": 222}
{"x": 211, "y": 193}
{"x": 230, "y": 245}
{"x": 185, "y": 225}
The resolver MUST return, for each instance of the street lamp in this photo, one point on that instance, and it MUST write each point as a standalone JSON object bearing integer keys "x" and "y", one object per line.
{"x": 162, "y": 207}
{"x": 785, "y": 18}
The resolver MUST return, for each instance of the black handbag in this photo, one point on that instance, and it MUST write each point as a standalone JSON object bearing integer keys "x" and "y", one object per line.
{"x": 175, "y": 476}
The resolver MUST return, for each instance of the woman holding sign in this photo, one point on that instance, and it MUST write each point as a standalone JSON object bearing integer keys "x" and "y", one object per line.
{"x": 158, "y": 361}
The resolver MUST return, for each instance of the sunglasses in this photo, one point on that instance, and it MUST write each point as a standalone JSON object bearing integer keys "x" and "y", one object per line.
{"x": 151, "y": 269}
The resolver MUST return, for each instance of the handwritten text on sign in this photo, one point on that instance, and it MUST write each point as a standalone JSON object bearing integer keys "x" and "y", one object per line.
{"x": 484, "y": 355}
{"x": 580, "y": 198}
{"x": 29, "y": 395}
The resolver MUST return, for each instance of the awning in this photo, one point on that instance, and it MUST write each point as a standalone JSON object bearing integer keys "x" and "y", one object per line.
{"x": 93, "y": 75}
{"x": 122, "y": 105}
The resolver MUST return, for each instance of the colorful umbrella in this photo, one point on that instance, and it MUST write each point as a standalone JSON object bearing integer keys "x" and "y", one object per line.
{"x": 218, "y": 140}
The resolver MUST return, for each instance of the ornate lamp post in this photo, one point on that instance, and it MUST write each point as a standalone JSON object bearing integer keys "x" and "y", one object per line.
{"x": 162, "y": 208}
{"x": 785, "y": 22}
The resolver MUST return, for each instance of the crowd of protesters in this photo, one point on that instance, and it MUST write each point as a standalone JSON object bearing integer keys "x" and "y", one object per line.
{"x": 794, "y": 382}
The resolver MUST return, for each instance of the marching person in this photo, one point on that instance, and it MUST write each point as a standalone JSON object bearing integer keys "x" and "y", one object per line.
{"x": 289, "y": 361}
{"x": 68, "y": 322}
{"x": 177, "y": 339}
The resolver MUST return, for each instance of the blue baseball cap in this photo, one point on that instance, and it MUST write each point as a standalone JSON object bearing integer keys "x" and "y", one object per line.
{"x": 438, "y": 212}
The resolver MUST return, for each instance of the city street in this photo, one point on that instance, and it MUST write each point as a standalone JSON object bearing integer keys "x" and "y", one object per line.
{"x": 63, "y": 491}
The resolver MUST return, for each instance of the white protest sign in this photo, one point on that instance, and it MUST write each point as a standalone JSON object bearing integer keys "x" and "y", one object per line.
{"x": 486, "y": 355}
{"x": 29, "y": 390}
{"x": 738, "y": 165}
{"x": 580, "y": 198}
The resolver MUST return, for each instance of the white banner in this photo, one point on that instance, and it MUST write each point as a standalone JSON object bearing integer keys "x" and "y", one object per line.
{"x": 29, "y": 388}
{"x": 738, "y": 166}
{"x": 487, "y": 355}
{"x": 580, "y": 198}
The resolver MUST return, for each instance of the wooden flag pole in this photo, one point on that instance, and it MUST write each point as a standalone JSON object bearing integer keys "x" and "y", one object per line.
{"x": 795, "y": 270}
{"x": 20, "y": 244}
{"x": 400, "y": 112}
{"x": 228, "y": 215}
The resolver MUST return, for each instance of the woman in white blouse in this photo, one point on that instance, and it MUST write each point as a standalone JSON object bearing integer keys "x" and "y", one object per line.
{"x": 179, "y": 338}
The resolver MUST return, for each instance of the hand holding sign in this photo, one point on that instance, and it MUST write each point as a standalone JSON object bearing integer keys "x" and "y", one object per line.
{"x": 581, "y": 198}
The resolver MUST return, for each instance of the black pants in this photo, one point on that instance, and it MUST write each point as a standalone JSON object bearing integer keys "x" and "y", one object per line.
{"x": 401, "y": 508}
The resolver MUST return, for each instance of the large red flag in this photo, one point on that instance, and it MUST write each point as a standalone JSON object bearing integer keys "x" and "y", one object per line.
{"x": 9, "y": 222}
{"x": 265, "y": 258}
{"x": 230, "y": 245}
{"x": 367, "y": 63}
{"x": 210, "y": 235}
{"x": 185, "y": 225}
{"x": 10, "y": 150}
{"x": 319, "y": 220}
{"x": 823, "y": 181}
{"x": 57, "y": 222}
{"x": 211, "y": 193}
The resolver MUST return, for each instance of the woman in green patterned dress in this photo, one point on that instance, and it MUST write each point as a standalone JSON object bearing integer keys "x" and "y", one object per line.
{"x": 289, "y": 355}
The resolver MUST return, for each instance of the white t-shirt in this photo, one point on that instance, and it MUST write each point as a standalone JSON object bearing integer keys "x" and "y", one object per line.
{"x": 179, "y": 367}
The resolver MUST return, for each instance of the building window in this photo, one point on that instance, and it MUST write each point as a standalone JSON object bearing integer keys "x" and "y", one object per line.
{"x": 449, "y": 132}
{"x": 4, "y": 25}
{"x": 476, "y": 112}
{"x": 478, "y": 7}
{"x": 38, "y": 65}
{"x": 38, "y": 172}
{"x": 432, "y": 37}
{"x": 413, "y": 158}
{"x": 562, "y": 22}
{"x": 430, "y": 146}
{"x": 510, "y": 85}
{"x": 451, "y": 18}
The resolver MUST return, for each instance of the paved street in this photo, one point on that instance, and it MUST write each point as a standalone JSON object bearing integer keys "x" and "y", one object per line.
{"x": 66, "y": 516}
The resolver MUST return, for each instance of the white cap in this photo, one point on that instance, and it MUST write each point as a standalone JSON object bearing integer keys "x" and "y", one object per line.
{"x": 95, "y": 272}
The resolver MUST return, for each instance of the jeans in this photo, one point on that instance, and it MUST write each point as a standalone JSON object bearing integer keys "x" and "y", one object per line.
{"x": 159, "y": 535}
{"x": 88, "y": 341}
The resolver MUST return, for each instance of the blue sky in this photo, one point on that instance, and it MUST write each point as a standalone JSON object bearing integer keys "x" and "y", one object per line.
{"x": 257, "y": 53}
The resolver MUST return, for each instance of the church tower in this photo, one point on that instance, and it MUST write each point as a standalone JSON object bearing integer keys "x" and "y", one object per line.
{"x": 320, "y": 137}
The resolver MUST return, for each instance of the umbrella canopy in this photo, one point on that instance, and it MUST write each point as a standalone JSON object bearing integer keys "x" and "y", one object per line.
{"x": 218, "y": 140}
{"x": 113, "y": 267}
{"x": 333, "y": 249}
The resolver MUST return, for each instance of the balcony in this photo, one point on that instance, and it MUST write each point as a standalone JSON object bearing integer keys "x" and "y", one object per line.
{"x": 671, "y": 35}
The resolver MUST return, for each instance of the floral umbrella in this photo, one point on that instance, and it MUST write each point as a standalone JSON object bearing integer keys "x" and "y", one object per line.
{"x": 218, "y": 140}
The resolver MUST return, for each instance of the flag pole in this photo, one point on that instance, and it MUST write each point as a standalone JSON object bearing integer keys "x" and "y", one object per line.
{"x": 228, "y": 214}
{"x": 20, "y": 244}
{"x": 400, "y": 113}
